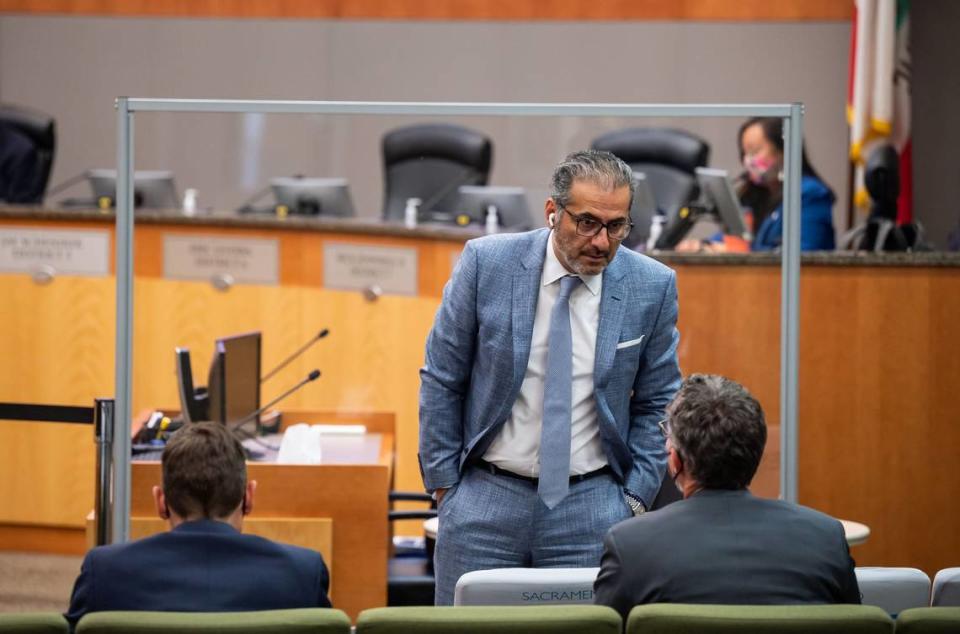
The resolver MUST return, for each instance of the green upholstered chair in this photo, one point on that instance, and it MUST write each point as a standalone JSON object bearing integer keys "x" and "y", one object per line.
{"x": 668, "y": 618}
{"x": 929, "y": 621}
{"x": 302, "y": 621}
{"x": 555, "y": 619}
{"x": 33, "y": 623}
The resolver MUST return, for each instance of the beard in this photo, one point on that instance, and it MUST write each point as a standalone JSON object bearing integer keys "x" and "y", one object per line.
{"x": 574, "y": 258}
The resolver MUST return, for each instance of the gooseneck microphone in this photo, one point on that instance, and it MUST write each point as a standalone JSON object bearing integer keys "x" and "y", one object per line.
{"x": 255, "y": 415}
{"x": 323, "y": 333}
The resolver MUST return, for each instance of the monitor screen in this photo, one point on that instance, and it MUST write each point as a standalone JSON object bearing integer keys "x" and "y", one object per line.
{"x": 151, "y": 189}
{"x": 642, "y": 211}
{"x": 241, "y": 375}
{"x": 719, "y": 193}
{"x": 513, "y": 213}
{"x": 313, "y": 196}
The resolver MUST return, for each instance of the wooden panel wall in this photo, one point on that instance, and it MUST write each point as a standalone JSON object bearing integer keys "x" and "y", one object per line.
{"x": 880, "y": 434}
{"x": 740, "y": 10}
{"x": 880, "y": 365}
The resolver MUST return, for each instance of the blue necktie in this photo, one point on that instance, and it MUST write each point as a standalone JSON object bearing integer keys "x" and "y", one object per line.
{"x": 555, "y": 435}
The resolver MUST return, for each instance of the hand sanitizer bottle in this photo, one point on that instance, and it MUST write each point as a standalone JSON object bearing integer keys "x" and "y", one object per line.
{"x": 493, "y": 222}
{"x": 410, "y": 212}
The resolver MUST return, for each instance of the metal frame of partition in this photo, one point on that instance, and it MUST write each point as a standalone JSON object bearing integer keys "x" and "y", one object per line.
{"x": 792, "y": 114}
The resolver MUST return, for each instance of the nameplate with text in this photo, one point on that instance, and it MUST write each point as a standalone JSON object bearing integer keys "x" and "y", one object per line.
{"x": 64, "y": 251}
{"x": 360, "y": 266}
{"x": 245, "y": 260}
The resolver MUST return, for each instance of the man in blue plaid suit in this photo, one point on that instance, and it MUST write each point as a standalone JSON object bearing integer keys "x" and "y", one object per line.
{"x": 528, "y": 469}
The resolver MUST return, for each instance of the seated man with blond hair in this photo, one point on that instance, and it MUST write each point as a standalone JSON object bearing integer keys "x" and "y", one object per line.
{"x": 204, "y": 563}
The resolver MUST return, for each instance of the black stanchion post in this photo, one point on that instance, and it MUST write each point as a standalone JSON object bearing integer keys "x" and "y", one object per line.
{"x": 103, "y": 421}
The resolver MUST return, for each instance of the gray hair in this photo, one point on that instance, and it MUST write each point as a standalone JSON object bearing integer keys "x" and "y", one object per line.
{"x": 593, "y": 166}
{"x": 719, "y": 430}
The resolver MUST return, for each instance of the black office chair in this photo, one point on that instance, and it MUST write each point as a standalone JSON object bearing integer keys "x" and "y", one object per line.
{"x": 668, "y": 157}
{"x": 40, "y": 130}
{"x": 410, "y": 579}
{"x": 430, "y": 162}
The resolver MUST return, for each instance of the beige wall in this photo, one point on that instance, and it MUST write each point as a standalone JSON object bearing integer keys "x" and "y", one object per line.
{"x": 74, "y": 67}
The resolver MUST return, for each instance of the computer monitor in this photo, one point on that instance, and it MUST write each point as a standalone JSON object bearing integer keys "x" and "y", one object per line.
{"x": 151, "y": 189}
{"x": 314, "y": 196}
{"x": 193, "y": 401}
{"x": 642, "y": 211}
{"x": 718, "y": 192}
{"x": 513, "y": 213}
{"x": 241, "y": 374}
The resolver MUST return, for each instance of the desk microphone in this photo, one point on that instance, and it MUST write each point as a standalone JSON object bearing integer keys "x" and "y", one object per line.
{"x": 323, "y": 333}
{"x": 313, "y": 376}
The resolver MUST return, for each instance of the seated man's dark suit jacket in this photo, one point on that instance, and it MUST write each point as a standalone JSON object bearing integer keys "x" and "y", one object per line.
{"x": 201, "y": 566}
{"x": 726, "y": 547}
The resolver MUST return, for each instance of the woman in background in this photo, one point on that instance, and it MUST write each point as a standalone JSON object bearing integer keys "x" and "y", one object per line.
{"x": 761, "y": 190}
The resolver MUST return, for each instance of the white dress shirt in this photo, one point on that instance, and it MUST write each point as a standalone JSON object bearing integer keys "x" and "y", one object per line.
{"x": 517, "y": 446}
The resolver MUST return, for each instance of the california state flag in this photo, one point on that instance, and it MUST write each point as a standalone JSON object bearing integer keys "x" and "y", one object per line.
{"x": 878, "y": 95}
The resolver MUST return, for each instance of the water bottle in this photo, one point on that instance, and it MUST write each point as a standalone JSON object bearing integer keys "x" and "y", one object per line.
{"x": 493, "y": 222}
{"x": 190, "y": 202}
{"x": 410, "y": 213}
{"x": 656, "y": 228}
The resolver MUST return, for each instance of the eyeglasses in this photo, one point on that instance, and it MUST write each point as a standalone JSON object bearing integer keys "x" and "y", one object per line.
{"x": 588, "y": 226}
{"x": 664, "y": 426}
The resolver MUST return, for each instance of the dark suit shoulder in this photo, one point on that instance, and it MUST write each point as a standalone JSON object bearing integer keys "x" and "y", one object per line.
{"x": 794, "y": 511}
{"x": 296, "y": 553}
{"x": 120, "y": 551}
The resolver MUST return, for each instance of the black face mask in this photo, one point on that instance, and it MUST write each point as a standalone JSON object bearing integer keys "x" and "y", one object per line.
{"x": 674, "y": 476}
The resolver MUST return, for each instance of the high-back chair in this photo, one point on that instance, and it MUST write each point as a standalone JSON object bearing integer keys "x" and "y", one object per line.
{"x": 410, "y": 578}
{"x": 946, "y": 588}
{"x": 33, "y": 623}
{"x": 40, "y": 130}
{"x": 893, "y": 589}
{"x": 526, "y": 586}
{"x": 676, "y": 618}
{"x": 300, "y": 621}
{"x": 431, "y": 161}
{"x": 668, "y": 158}
{"x": 929, "y": 621}
{"x": 552, "y": 619}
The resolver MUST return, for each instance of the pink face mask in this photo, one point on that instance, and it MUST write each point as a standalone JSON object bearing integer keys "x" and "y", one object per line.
{"x": 758, "y": 168}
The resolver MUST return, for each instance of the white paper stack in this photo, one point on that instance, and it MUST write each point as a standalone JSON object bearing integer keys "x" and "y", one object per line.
{"x": 300, "y": 445}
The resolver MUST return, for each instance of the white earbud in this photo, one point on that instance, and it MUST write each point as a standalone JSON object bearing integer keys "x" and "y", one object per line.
{"x": 552, "y": 219}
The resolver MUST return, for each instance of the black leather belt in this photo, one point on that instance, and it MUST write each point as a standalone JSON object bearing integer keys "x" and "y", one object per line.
{"x": 494, "y": 469}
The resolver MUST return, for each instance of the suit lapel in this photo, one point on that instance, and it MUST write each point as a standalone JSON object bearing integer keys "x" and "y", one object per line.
{"x": 526, "y": 293}
{"x": 612, "y": 307}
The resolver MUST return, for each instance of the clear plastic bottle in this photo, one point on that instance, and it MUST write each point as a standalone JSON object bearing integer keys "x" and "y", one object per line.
{"x": 656, "y": 228}
{"x": 493, "y": 220}
{"x": 411, "y": 212}
{"x": 190, "y": 202}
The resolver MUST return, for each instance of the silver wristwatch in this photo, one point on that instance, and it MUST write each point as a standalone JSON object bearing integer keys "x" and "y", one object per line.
{"x": 635, "y": 504}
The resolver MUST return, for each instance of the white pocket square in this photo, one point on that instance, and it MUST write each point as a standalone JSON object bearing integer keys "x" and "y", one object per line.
{"x": 632, "y": 342}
